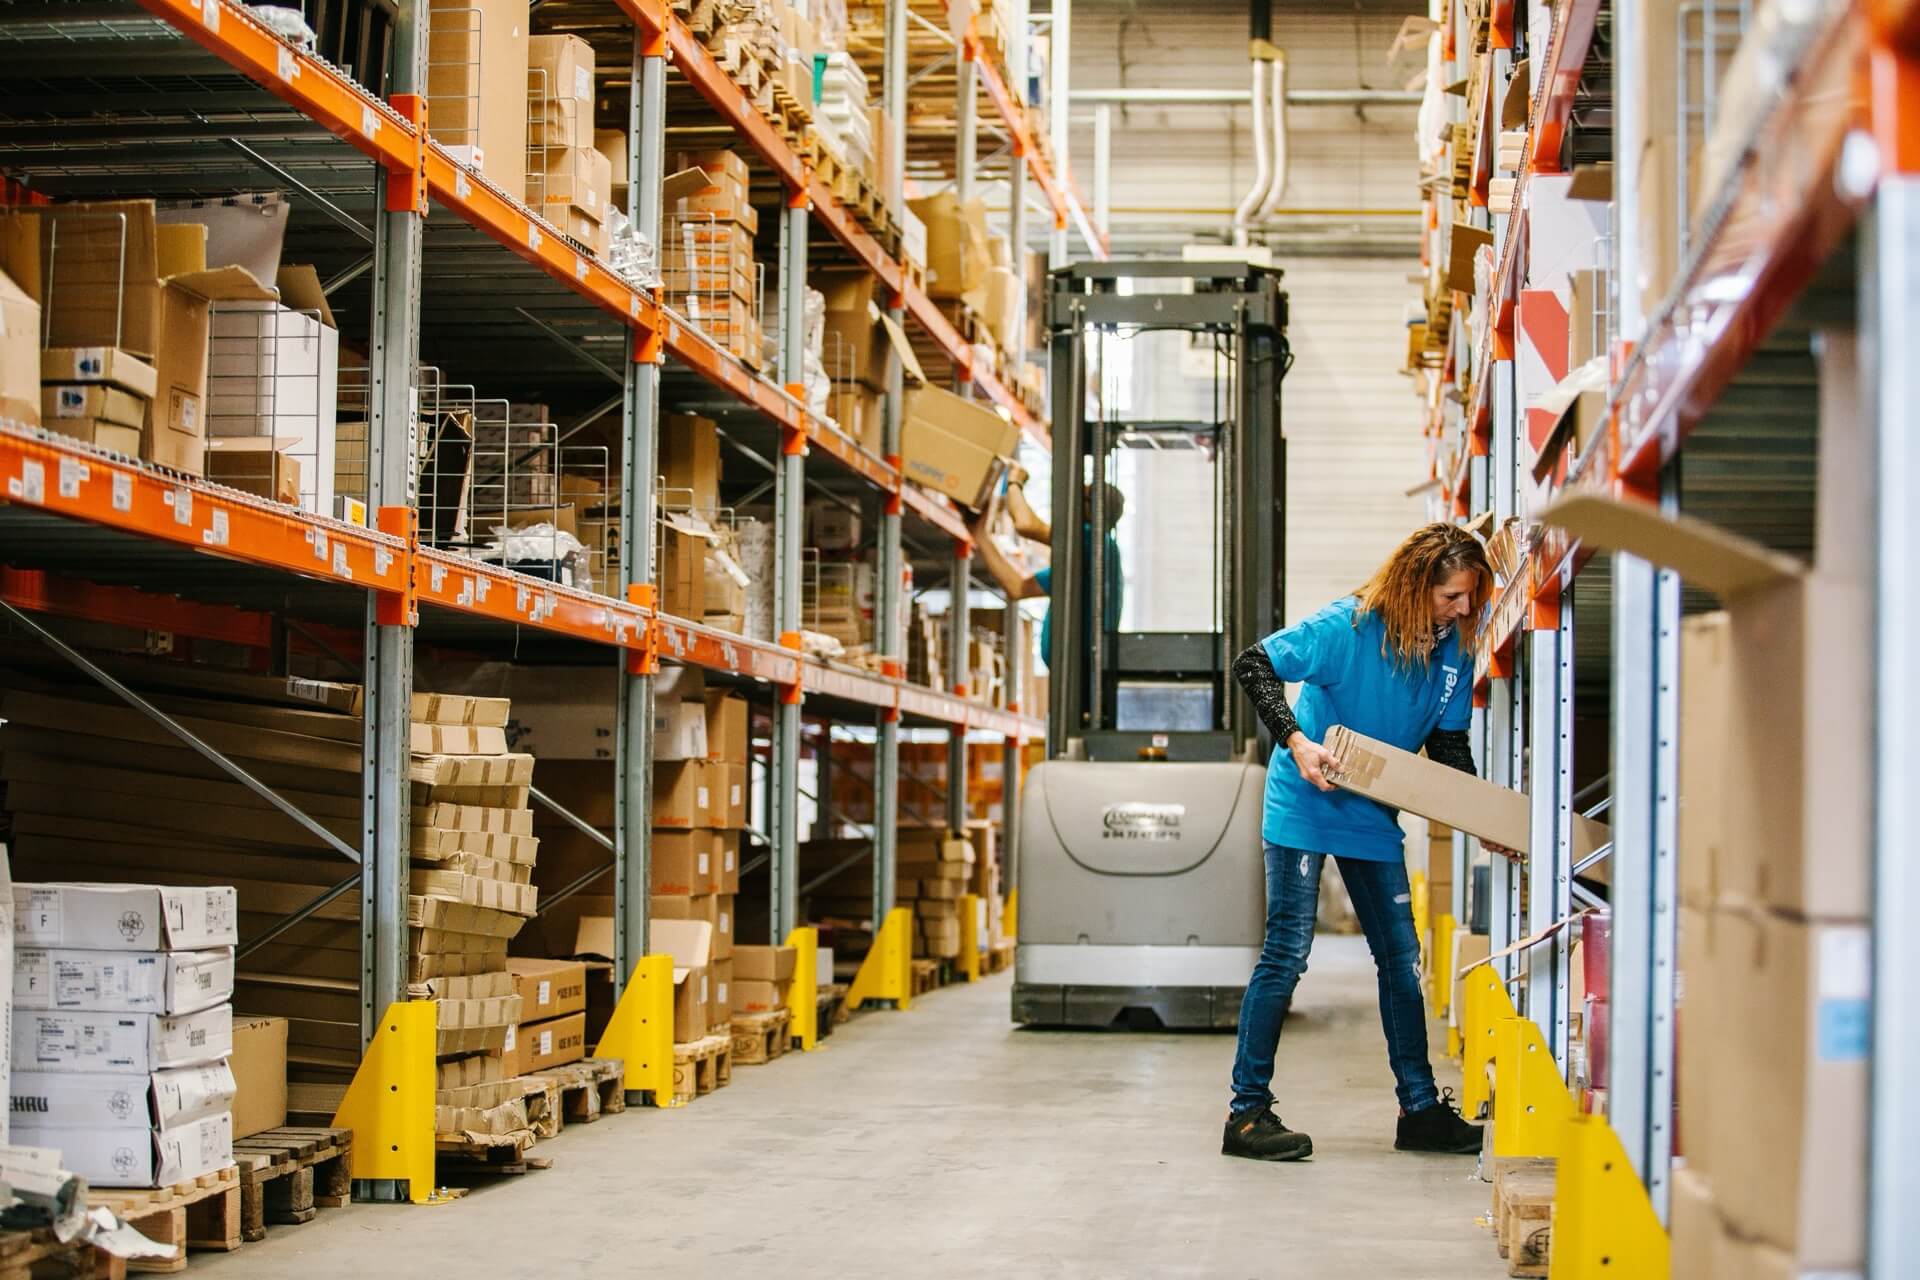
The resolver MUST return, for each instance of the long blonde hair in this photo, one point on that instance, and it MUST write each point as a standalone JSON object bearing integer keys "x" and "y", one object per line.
{"x": 1399, "y": 590}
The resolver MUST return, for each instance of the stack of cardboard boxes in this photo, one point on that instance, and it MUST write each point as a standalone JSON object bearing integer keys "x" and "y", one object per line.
{"x": 762, "y": 978}
{"x": 932, "y": 870}
{"x": 689, "y": 462}
{"x": 123, "y": 1021}
{"x": 569, "y": 181}
{"x": 707, "y": 264}
{"x": 553, "y": 1014}
{"x": 1775, "y": 869}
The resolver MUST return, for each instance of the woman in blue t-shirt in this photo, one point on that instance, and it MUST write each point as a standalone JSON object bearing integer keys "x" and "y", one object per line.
{"x": 1394, "y": 661}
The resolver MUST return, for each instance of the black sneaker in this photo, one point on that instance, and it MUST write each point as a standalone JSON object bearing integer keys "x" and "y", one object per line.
{"x": 1438, "y": 1128}
{"x": 1259, "y": 1135}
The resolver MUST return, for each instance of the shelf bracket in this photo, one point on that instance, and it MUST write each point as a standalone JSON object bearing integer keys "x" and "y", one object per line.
{"x": 643, "y": 653}
{"x": 401, "y": 608}
{"x": 407, "y": 188}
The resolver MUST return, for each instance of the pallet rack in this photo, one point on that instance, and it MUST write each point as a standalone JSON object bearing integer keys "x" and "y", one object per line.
{"x": 111, "y": 539}
{"x": 1816, "y": 224}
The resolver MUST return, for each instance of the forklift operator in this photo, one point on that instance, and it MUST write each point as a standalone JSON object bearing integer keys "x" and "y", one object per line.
{"x": 1394, "y": 661}
{"x": 1022, "y": 586}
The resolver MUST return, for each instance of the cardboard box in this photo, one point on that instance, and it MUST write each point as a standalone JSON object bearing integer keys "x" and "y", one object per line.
{"x": 1780, "y": 1022}
{"x": 259, "y": 465}
{"x": 612, "y": 143}
{"x": 259, "y": 1065}
{"x": 1401, "y": 780}
{"x": 721, "y": 1009}
{"x": 1469, "y": 949}
{"x": 690, "y": 462}
{"x": 680, "y": 730}
{"x": 717, "y": 808}
{"x": 83, "y": 1099}
{"x": 274, "y": 373}
{"x": 728, "y": 845}
{"x": 19, "y": 353}
{"x": 107, "y": 365}
{"x": 548, "y": 988}
{"x": 734, "y": 787}
{"x": 1694, "y": 1223}
{"x": 853, "y": 349}
{"x": 754, "y": 995}
{"x": 684, "y": 862}
{"x": 109, "y": 436}
{"x": 121, "y": 1043}
{"x": 958, "y": 252}
{"x": 683, "y": 572}
{"x": 1785, "y": 780}
{"x": 764, "y": 964}
{"x": 723, "y": 926}
{"x": 477, "y": 57}
{"x": 953, "y": 445}
{"x": 690, "y": 943}
{"x": 97, "y": 401}
{"x": 560, "y": 92}
{"x": 535, "y": 1046}
{"x": 682, "y": 794}
{"x": 578, "y": 179}
{"x": 121, "y": 981}
{"x": 116, "y": 917}
{"x": 1706, "y": 705}
{"x": 134, "y": 1155}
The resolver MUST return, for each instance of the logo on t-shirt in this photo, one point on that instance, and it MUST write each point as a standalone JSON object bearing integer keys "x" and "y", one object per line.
{"x": 1453, "y": 680}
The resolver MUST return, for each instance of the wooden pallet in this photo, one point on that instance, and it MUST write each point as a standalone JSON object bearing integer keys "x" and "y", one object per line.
{"x": 455, "y": 1159}
{"x": 702, "y": 1066}
{"x": 833, "y": 1008}
{"x": 25, "y": 1255}
{"x": 760, "y": 1037}
{"x": 200, "y": 1213}
{"x": 1522, "y": 1214}
{"x": 998, "y": 959}
{"x": 582, "y": 1092}
{"x": 288, "y": 1175}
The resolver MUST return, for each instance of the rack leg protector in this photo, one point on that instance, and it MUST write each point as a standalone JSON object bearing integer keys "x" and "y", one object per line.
{"x": 1603, "y": 1224}
{"x": 389, "y": 1105}
{"x": 640, "y": 1033}
{"x": 1484, "y": 1002}
{"x": 803, "y": 1002}
{"x": 970, "y": 937}
{"x": 887, "y": 972}
{"x": 1010, "y": 918}
{"x": 1531, "y": 1103}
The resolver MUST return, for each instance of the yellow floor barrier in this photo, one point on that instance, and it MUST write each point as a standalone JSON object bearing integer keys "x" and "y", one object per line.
{"x": 389, "y": 1104}
{"x": 1483, "y": 1002}
{"x": 1603, "y": 1225}
{"x": 887, "y": 972}
{"x": 1531, "y": 1103}
{"x": 1010, "y": 918}
{"x": 640, "y": 1033}
{"x": 803, "y": 993}
{"x": 970, "y": 937}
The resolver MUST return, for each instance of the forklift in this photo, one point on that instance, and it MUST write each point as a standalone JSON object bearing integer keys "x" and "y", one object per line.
{"x": 1141, "y": 879}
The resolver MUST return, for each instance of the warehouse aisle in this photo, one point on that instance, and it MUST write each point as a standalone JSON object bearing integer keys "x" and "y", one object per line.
{"x": 942, "y": 1142}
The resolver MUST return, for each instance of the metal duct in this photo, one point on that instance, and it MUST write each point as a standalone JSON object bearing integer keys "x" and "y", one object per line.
{"x": 1277, "y": 93}
{"x": 1260, "y": 51}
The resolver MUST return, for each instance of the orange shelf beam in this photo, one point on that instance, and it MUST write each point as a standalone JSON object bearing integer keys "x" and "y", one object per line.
{"x": 455, "y": 582}
{"x": 1573, "y": 22}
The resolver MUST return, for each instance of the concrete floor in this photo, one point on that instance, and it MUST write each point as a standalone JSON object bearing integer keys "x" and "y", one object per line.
{"x": 943, "y": 1142}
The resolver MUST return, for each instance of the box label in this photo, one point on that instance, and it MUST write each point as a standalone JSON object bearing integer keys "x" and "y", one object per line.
{"x": 544, "y": 993}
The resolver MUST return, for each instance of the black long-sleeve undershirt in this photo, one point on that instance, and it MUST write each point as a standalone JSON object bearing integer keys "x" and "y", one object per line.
{"x": 1254, "y": 673}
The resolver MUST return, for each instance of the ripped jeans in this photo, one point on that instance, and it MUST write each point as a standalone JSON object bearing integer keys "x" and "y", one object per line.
{"x": 1383, "y": 903}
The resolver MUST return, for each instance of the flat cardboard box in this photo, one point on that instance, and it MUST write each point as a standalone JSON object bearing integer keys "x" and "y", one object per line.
{"x": 19, "y": 353}
{"x": 953, "y": 445}
{"x": 535, "y": 1046}
{"x": 121, "y": 981}
{"x": 134, "y": 1155}
{"x": 259, "y": 465}
{"x": 477, "y": 57}
{"x": 85, "y": 1099}
{"x": 118, "y": 917}
{"x": 560, "y": 92}
{"x": 763, "y": 964}
{"x": 122, "y": 1043}
{"x": 1793, "y": 747}
{"x": 259, "y": 1064}
{"x": 1779, "y": 1022}
{"x": 97, "y": 401}
{"x": 108, "y": 365}
{"x": 1401, "y": 780}
{"x": 548, "y": 988}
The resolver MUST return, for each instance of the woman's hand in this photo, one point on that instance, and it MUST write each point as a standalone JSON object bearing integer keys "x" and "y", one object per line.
{"x": 1313, "y": 761}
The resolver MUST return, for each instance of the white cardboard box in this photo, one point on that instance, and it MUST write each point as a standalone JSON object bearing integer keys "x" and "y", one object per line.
{"x": 123, "y": 1043}
{"x": 274, "y": 371}
{"x": 88, "y": 1099}
{"x": 122, "y": 981}
{"x": 136, "y": 1155}
{"x": 125, "y": 917}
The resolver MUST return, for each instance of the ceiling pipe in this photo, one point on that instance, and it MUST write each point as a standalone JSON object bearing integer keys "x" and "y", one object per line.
{"x": 1260, "y": 52}
{"x": 1240, "y": 97}
{"x": 1277, "y": 95}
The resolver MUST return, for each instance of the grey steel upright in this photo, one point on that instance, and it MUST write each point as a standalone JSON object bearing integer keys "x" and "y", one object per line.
{"x": 1140, "y": 870}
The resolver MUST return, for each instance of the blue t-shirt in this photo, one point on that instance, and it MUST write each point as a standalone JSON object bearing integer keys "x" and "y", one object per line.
{"x": 1348, "y": 679}
{"x": 1116, "y": 588}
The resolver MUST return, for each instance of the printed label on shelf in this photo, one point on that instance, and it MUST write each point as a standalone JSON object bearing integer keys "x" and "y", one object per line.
{"x": 533, "y": 235}
{"x": 579, "y": 267}
{"x": 284, "y": 63}
{"x": 210, "y": 14}
{"x": 72, "y": 473}
{"x": 215, "y": 534}
{"x": 438, "y": 577}
{"x": 382, "y": 561}
{"x": 461, "y": 187}
{"x": 480, "y": 586}
{"x": 520, "y": 594}
{"x": 633, "y": 305}
{"x": 340, "y": 560}
{"x": 465, "y": 595}
{"x": 369, "y": 121}
{"x": 122, "y": 491}
{"x": 319, "y": 537}
{"x": 31, "y": 485}
{"x": 181, "y": 500}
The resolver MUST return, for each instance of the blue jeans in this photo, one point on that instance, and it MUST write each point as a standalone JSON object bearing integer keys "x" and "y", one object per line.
{"x": 1383, "y": 902}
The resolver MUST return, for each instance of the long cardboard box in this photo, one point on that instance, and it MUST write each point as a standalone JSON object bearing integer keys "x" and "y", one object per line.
{"x": 121, "y": 917}
{"x": 87, "y": 1099}
{"x": 124, "y": 1043}
{"x": 135, "y": 1155}
{"x": 1401, "y": 780}
{"x": 121, "y": 981}
{"x": 259, "y": 1065}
